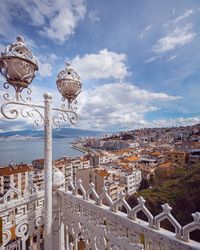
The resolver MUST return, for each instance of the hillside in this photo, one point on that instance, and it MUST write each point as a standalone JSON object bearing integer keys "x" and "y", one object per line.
{"x": 181, "y": 190}
{"x": 62, "y": 133}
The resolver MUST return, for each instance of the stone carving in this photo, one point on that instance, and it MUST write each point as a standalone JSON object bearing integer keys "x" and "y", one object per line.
{"x": 191, "y": 226}
{"x": 9, "y": 193}
{"x": 105, "y": 227}
{"x": 86, "y": 218}
{"x": 166, "y": 214}
{"x": 22, "y": 217}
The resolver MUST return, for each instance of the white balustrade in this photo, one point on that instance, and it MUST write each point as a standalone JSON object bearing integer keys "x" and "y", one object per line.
{"x": 22, "y": 220}
{"x": 80, "y": 219}
{"x": 105, "y": 227}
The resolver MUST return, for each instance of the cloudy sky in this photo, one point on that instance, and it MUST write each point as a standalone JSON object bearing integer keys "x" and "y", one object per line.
{"x": 139, "y": 61}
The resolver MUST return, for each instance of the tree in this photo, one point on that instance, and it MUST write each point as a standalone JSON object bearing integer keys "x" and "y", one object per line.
{"x": 144, "y": 184}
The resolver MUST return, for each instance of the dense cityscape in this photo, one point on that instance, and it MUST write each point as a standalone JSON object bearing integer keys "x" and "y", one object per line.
{"x": 99, "y": 125}
{"x": 119, "y": 161}
{"x": 123, "y": 163}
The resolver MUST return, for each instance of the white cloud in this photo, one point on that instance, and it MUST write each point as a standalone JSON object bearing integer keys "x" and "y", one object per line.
{"x": 45, "y": 69}
{"x": 186, "y": 14}
{"x": 45, "y": 62}
{"x": 106, "y": 107}
{"x": 6, "y": 29}
{"x": 31, "y": 45}
{"x": 180, "y": 121}
{"x": 171, "y": 58}
{"x": 64, "y": 23}
{"x": 173, "y": 11}
{"x": 105, "y": 64}
{"x": 173, "y": 22}
{"x": 178, "y": 37}
{"x": 2, "y": 47}
{"x": 144, "y": 32}
{"x": 118, "y": 106}
{"x": 92, "y": 15}
{"x": 56, "y": 19}
{"x": 177, "y": 34}
{"x": 152, "y": 59}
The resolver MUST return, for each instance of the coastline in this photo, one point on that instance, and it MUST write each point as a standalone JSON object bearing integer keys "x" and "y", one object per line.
{"x": 11, "y": 151}
{"x": 79, "y": 148}
{"x": 85, "y": 150}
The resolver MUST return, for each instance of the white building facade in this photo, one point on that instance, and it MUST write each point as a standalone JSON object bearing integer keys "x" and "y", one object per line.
{"x": 131, "y": 181}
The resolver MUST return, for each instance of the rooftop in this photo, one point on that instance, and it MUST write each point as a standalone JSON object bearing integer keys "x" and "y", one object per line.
{"x": 10, "y": 170}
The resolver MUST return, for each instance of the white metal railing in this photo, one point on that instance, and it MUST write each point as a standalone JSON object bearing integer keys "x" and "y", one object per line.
{"x": 105, "y": 227}
{"x": 78, "y": 218}
{"x": 22, "y": 220}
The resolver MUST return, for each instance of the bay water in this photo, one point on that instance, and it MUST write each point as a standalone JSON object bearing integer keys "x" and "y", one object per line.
{"x": 27, "y": 149}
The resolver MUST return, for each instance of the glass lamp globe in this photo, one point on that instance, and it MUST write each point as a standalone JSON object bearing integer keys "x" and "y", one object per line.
{"x": 69, "y": 83}
{"x": 18, "y": 65}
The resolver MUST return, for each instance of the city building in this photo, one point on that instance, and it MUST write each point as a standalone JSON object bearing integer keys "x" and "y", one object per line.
{"x": 101, "y": 178}
{"x": 15, "y": 176}
{"x": 131, "y": 181}
{"x": 176, "y": 157}
{"x": 194, "y": 155}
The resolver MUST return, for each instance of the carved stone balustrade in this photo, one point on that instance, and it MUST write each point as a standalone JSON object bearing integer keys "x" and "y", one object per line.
{"x": 22, "y": 219}
{"x": 105, "y": 227}
{"x": 80, "y": 217}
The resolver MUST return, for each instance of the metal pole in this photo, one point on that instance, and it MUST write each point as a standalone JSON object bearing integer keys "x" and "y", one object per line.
{"x": 48, "y": 172}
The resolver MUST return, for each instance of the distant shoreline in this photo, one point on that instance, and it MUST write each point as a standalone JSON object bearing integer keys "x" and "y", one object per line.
{"x": 83, "y": 149}
{"x": 22, "y": 138}
{"x": 79, "y": 148}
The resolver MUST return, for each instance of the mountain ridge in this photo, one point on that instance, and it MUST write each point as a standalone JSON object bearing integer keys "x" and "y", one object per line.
{"x": 62, "y": 133}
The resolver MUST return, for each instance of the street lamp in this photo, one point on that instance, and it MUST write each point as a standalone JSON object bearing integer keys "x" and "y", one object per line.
{"x": 18, "y": 65}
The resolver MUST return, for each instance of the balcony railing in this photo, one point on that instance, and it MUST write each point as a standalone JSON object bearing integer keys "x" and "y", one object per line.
{"x": 85, "y": 219}
{"x": 25, "y": 222}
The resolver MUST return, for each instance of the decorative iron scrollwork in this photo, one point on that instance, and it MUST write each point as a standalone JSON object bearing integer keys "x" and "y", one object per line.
{"x": 10, "y": 111}
{"x": 62, "y": 116}
{"x": 18, "y": 96}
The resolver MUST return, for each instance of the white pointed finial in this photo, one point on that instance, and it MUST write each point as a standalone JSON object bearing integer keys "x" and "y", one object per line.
{"x": 20, "y": 39}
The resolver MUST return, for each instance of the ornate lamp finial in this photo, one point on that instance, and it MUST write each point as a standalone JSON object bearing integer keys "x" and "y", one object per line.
{"x": 20, "y": 39}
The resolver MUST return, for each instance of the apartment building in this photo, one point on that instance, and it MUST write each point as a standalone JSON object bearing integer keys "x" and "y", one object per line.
{"x": 131, "y": 161}
{"x": 194, "y": 155}
{"x": 186, "y": 146}
{"x": 92, "y": 175}
{"x": 122, "y": 153}
{"x": 64, "y": 165}
{"x": 115, "y": 176}
{"x": 14, "y": 176}
{"x": 68, "y": 166}
{"x": 38, "y": 177}
{"x": 107, "y": 157}
{"x": 131, "y": 181}
{"x": 101, "y": 177}
{"x": 38, "y": 163}
{"x": 129, "y": 177}
{"x": 94, "y": 160}
{"x": 176, "y": 157}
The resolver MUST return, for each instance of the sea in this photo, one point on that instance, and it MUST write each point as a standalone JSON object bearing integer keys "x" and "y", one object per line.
{"x": 15, "y": 151}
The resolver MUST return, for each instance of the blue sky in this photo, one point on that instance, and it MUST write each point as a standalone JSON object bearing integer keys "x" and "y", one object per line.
{"x": 139, "y": 61}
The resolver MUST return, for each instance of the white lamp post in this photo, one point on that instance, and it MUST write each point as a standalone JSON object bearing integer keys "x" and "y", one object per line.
{"x": 18, "y": 65}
